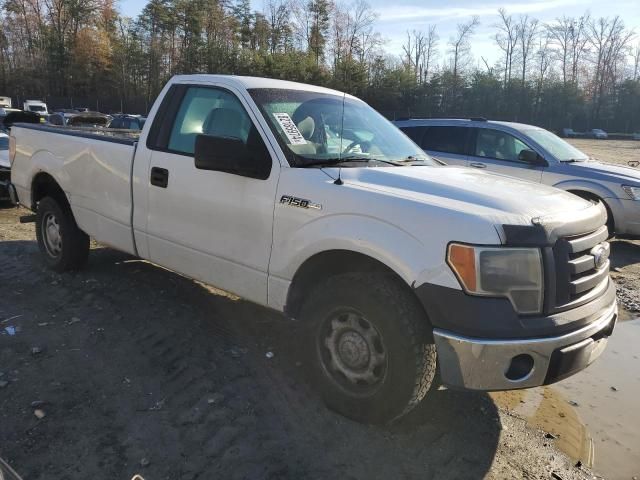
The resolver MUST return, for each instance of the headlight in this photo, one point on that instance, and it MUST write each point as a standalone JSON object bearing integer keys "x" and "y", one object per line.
{"x": 514, "y": 273}
{"x": 633, "y": 192}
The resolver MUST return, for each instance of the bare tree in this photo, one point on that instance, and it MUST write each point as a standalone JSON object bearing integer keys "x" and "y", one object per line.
{"x": 459, "y": 45}
{"x": 431, "y": 52}
{"x": 420, "y": 51}
{"x": 636, "y": 61}
{"x": 610, "y": 40}
{"x": 507, "y": 39}
{"x": 527, "y": 31}
{"x": 569, "y": 35}
{"x": 414, "y": 51}
{"x": 278, "y": 13}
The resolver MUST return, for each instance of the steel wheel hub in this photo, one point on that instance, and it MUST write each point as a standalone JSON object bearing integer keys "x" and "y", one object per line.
{"x": 353, "y": 351}
{"x": 52, "y": 236}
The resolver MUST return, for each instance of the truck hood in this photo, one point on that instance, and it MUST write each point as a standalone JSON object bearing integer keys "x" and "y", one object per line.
{"x": 607, "y": 171}
{"x": 504, "y": 200}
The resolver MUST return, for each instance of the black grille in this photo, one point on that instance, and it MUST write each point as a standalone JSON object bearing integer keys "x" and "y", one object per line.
{"x": 577, "y": 275}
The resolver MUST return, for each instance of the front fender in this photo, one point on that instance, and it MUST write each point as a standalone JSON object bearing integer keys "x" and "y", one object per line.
{"x": 385, "y": 242}
{"x": 599, "y": 190}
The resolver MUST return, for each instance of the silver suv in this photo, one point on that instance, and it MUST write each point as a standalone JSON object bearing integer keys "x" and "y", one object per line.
{"x": 534, "y": 154}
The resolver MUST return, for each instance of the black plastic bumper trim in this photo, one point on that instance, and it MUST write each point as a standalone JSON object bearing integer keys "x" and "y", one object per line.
{"x": 487, "y": 317}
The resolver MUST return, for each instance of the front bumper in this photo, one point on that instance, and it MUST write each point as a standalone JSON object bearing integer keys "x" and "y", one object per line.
{"x": 487, "y": 364}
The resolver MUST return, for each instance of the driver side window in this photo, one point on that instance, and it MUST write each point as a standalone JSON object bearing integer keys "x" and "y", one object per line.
{"x": 208, "y": 111}
{"x": 498, "y": 145}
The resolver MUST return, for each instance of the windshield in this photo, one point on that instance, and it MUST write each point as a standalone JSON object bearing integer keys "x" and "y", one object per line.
{"x": 553, "y": 144}
{"x": 37, "y": 108}
{"x": 314, "y": 127}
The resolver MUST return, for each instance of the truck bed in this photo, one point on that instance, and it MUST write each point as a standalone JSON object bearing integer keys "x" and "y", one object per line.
{"x": 91, "y": 165}
{"x": 128, "y": 137}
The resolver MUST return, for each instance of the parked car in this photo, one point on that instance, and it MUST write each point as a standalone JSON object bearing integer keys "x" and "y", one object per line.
{"x": 308, "y": 201}
{"x": 3, "y": 114}
{"x": 569, "y": 133}
{"x": 88, "y": 119}
{"x": 128, "y": 122}
{"x": 534, "y": 154}
{"x": 5, "y": 102}
{"x": 19, "y": 116}
{"x": 5, "y": 166}
{"x": 597, "y": 133}
{"x": 58, "y": 118}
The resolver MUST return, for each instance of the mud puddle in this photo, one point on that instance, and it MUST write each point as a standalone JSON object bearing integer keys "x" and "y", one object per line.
{"x": 594, "y": 415}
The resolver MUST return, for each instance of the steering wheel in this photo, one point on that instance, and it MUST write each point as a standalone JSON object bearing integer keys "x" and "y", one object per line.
{"x": 364, "y": 146}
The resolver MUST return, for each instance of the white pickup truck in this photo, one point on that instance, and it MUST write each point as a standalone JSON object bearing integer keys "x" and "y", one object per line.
{"x": 306, "y": 200}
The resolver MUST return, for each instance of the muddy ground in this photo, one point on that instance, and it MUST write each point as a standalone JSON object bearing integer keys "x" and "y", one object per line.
{"x": 139, "y": 370}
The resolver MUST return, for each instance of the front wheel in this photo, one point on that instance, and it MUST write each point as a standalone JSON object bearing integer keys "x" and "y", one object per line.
{"x": 368, "y": 340}
{"x": 63, "y": 245}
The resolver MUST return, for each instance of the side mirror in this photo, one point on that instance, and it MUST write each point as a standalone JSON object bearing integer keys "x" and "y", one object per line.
{"x": 532, "y": 158}
{"x": 230, "y": 155}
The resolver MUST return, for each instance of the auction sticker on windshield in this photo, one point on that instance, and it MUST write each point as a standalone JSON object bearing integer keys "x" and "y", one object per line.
{"x": 290, "y": 129}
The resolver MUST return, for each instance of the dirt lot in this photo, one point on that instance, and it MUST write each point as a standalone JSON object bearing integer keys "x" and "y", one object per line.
{"x": 140, "y": 370}
{"x": 615, "y": 151}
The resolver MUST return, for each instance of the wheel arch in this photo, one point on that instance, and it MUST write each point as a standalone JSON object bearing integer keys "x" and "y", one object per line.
{"x": 590, "y": 195}
{"x": 45, "y": 185}
{"x": 329, "y": 263}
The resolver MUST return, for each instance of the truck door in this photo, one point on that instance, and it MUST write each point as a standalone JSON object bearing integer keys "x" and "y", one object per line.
{"x": 499, "y": 152}
{"x": 212, "y": 226}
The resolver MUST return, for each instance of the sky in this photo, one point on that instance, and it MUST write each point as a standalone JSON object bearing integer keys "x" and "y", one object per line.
{"x": 397, "y": 16}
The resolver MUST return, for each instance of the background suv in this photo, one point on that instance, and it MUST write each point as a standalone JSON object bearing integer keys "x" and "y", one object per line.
{"x": 534, "y": 154}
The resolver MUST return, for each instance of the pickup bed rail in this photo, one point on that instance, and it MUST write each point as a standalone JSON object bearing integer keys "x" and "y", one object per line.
{"x": 126, "y": 137}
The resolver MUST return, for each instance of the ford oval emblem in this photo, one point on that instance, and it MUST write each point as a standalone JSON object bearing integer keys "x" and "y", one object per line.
{"x": 600, "y": 255}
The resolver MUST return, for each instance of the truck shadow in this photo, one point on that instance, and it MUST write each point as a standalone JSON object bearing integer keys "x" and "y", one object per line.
{"x": 167, "y": 369}
{"x": 624, "y": 252}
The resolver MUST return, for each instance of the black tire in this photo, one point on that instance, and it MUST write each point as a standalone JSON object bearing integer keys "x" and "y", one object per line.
{"x": 67, "y": 249}
{"x": 369, "y": 346}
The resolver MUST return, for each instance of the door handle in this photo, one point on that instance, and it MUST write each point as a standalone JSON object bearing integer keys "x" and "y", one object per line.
{"x": 159, "y": 177}
{"x": 478, "y": 165}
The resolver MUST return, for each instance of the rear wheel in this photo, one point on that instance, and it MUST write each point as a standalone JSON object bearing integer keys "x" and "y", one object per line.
{"x": 368, "y": 340}
{"x": 63, "y": 245}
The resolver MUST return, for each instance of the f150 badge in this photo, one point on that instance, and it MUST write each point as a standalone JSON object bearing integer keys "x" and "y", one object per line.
{"x": 299, "y": 202}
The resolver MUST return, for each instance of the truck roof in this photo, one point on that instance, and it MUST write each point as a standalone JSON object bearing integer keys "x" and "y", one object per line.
{"x": 255, "y": 82}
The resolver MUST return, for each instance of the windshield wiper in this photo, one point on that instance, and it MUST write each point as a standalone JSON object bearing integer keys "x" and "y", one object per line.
{"x": 410, "y": 160}
{"x": 573, "y": 160}
{"x": 328, "y": 162}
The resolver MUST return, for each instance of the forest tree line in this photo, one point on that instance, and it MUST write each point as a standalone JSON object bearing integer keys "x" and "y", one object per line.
{"x": 576, "y": 71}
